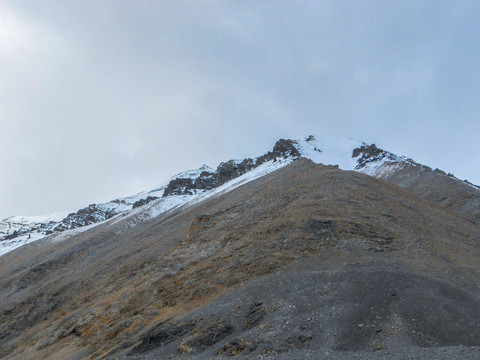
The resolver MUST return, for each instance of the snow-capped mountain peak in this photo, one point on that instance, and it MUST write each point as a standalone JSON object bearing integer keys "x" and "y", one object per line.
{"x": 195, "y": 185}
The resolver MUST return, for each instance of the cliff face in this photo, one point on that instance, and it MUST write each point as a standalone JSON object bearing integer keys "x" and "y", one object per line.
{"x": 308, "y": 259}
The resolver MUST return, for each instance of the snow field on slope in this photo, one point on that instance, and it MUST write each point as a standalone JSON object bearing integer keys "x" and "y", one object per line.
{"x": 330, "y": 151}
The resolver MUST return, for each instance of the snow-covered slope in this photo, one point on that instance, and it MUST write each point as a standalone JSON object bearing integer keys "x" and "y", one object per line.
{"x": 196, "y": 185}
{"x": 347, "y": 154}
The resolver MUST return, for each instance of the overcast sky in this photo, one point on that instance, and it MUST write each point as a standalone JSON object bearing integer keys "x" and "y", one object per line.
{"x": 102, "y": 99}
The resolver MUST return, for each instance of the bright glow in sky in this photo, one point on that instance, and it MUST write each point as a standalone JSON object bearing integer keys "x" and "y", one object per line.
{"x": 102, "y": 99}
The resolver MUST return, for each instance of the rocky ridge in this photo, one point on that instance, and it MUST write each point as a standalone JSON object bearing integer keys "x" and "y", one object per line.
{"x": 347, "y": 153}
{"x": 187, "y": 183}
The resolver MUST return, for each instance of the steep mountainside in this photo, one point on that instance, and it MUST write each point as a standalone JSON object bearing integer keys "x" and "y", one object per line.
{"x": 286, "y": 261}
{"x": 348, "y": 154}
{"x": 435, "y": 186}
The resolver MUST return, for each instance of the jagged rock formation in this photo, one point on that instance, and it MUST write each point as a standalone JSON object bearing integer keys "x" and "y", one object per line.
{"x": 229, "y": 170}
{"x": 371, "y": 153}
{"x": 83, "y": 217}
{"x": 145, "y": 201}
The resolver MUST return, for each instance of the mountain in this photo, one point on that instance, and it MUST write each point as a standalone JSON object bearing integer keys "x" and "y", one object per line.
{"x": 348, "y": 154}
{"x": 321, "y": 248}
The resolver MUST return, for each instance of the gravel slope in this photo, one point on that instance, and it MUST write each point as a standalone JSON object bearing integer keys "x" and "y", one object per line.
{"x": 346, "y": 259}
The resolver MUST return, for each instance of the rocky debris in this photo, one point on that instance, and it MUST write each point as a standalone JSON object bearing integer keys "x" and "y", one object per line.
{"x": 145, "y": 201}
{"x": 321, "y": 228}
{"x": 298, "y": 340}
{"x": 161, "y": 335}
{"x": 369, "y": 236}
{"x": 234, "y": 347}
{"x": 255, "y": 315}
{"x": 204, "y": 338}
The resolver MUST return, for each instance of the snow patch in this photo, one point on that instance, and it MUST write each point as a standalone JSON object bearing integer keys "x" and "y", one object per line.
{"x": 27, "y": 220}
{"x": 9, "y": 245}
{"x": 330, "y": 151}
{"x": 194, "y": 173}
{"x": 381, "y": 168}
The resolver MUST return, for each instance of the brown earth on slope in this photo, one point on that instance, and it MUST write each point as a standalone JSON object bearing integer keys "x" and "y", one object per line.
{"x": 120, "y": 290}
{"x": 437, "y": 187}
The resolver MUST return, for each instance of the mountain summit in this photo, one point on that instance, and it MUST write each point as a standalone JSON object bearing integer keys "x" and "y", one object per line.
{"x": 347, "y": 154}
{"x": 319, "y": 248}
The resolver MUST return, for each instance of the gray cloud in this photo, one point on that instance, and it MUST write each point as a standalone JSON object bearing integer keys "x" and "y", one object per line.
{"x": 103, "y": 99}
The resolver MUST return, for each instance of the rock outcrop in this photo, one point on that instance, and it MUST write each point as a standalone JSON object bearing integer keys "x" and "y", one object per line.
{"x": 229, "y": 170}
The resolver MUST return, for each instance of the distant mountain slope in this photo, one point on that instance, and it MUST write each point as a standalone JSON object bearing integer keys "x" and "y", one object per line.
{"x": 348, "y": 154}
{"x": 307, "y": 258}
{"x": 435, "y": 186}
